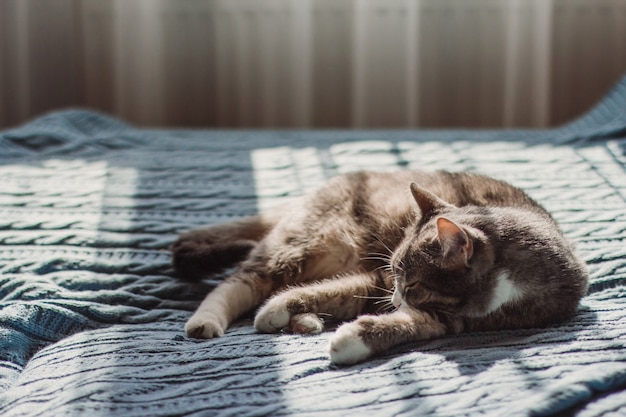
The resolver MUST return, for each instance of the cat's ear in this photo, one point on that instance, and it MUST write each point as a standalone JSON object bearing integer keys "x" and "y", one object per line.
{"x": 426, "y": 201}
{"x": 456, "y": 244}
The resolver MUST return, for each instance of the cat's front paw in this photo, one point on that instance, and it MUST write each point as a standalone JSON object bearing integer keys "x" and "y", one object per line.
{"x": 272, "y": 317}
{"x": 276, "y": 315}
{"x": 346, "y": 345}
{"x": 306, "y": 323}
{"x": 200, "y": 327}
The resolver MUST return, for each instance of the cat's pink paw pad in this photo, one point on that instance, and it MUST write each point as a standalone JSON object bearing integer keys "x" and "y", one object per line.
{"x": 347, "y": 347}
{"x": 200, "y": 328}
{"x": 306, "y": 323}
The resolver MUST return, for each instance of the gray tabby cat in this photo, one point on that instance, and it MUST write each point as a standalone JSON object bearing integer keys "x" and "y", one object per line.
{"x": 460, "y": 252}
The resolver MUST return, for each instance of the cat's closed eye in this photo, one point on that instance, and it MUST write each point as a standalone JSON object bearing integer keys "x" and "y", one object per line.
{"x": 412, "y": 288}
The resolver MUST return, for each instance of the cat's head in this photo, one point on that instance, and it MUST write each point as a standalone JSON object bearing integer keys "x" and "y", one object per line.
{"x": 446, "y": 261}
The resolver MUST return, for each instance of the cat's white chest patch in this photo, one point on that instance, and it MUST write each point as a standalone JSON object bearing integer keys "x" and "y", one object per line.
{"x": 504, "y": 292}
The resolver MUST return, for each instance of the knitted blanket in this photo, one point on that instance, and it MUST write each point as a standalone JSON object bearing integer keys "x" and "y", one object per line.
{"x": 91, "y": 315}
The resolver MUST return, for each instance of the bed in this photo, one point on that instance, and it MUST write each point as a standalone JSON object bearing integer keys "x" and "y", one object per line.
{"x": 92, "y": 316}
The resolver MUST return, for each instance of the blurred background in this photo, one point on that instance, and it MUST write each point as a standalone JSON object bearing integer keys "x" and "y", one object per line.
{"x": 311, "y": 63}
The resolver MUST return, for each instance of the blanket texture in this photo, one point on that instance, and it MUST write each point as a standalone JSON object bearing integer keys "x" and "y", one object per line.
{"x": 91, "y": 315}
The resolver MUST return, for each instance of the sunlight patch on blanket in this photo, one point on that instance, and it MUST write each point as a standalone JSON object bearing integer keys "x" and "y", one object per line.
{"x": 53, "y": 213}
{"x": 301, "y": 167}
{"x": 365, "y": 155}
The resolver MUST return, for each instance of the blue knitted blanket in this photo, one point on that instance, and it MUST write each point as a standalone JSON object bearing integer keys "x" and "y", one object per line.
{"x": 91, "y": 317}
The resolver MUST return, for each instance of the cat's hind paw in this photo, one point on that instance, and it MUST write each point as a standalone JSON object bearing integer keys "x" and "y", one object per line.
{"x": 203, "y": 328}
{"x": 347, "y": 347}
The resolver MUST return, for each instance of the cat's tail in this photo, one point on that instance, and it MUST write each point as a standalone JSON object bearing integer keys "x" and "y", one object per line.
{"x": 200, "y": 252}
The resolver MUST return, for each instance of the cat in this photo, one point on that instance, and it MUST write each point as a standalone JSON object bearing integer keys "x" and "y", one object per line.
{"x": 406, "y": 256}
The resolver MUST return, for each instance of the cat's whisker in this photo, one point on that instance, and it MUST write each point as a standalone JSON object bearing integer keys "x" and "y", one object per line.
{"x": 385, "y": 266}
{"x": 377, "y": 257}
{"x": 386, "y": 308}
{"x": 383, "y": 289}
{"x": 384, "y": 255}
{"x": 388, "y": 268}
{"x": 367, "y": 297}
{"x": 396, "y": 277}
{"x": 383, "y": 243}
{"x": 374, "y": 258}
{"x": 382, "y": 267}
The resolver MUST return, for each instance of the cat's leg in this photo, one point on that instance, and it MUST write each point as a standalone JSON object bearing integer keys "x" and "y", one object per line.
{"x": 340, "y": 298}
{"x": 238, "y": 294}
{"x": 282, "y": 258}
{"x": 370, "y": 335}
{"x": 269, "y": 267}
